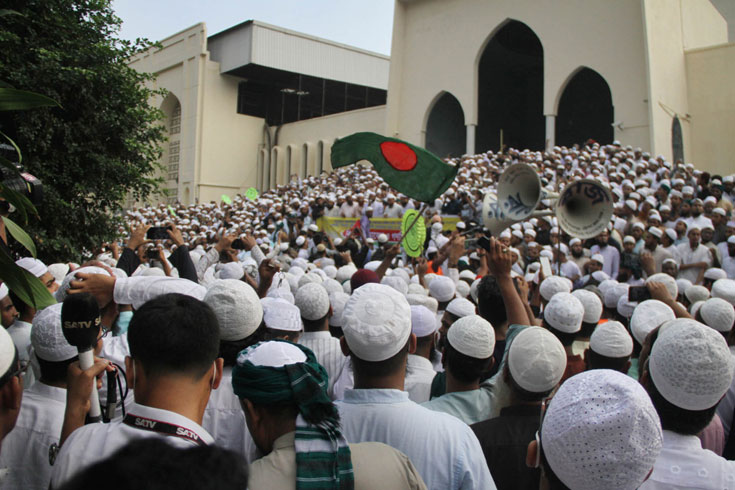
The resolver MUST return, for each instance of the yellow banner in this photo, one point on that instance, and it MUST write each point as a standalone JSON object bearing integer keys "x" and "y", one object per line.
{"x": 342, "y": 227}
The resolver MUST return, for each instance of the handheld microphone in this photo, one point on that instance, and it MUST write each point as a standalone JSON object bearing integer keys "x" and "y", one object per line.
{"x": 81, "y": 322}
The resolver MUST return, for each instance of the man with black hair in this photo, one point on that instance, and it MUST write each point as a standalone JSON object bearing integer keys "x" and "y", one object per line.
{"x": 8, "y": 313}
{"x": 200, "y": 467}
{"x": 536, "y": 362}
{"x": 173, "y": 367}
{"x": 378, "y": 339}
{"x": 687, "y": 373}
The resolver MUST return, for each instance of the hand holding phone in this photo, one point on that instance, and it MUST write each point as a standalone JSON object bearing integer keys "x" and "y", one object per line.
{"x": 158, "y": 233}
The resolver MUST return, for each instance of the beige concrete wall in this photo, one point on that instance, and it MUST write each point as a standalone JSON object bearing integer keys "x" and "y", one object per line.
{"x": 437, "y": 45}
{"x": 710, "y": 77}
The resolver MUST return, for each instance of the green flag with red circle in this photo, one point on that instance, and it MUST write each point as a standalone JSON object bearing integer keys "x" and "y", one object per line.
{"x": 408, "y": 169}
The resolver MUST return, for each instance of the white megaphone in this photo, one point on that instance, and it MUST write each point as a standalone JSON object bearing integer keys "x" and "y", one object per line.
{"x": 583, "y": 209}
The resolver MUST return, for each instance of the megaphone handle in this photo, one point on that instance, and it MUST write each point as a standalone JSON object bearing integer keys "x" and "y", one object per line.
{"x": 86, "y": 361}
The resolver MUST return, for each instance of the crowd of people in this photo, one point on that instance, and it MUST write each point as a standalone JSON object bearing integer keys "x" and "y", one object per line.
{"x": 242, "y": 346}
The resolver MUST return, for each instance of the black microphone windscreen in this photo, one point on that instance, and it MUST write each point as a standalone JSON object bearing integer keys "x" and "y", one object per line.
{"x": 81, "y": 320}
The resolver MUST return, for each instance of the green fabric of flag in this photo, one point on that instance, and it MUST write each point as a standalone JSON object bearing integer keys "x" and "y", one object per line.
{"x": 226, "y": 199}
{"x": 409, "y": 169}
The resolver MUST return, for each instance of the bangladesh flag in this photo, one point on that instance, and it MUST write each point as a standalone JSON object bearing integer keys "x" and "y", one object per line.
{"x": 408, "y": 169}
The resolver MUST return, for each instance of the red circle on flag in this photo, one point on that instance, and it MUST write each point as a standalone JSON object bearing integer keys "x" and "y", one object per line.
{"x": 399, "y": 155}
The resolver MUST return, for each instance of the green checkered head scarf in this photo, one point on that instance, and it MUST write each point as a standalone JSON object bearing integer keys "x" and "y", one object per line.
{"x": 278, "y": 372}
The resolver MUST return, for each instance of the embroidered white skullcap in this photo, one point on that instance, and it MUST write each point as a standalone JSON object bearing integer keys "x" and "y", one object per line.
{"x": 309, "y": 277}
{"x": 337, "y": 301}
{"x": 345, "y": 272}
{"x": 625, "y": 307}
{"x": 59, "y": 270}
{"x": 7, "y": 350}
{"x": 331, "y": 286}
{"x": 601, "y": 432}
{"x": 382, "y": 238}
{"x": 461, "y": 307}
{"x": 591, "y": 303}
{"x": 231, "y": 270}
{"x": 272, "y": 354}
{"x": 237, "y": 308}
{"x": 536, "y": 359}
{"x": 330, "y": 271}
{"x": 376, "y": 322}
{"x": 553, "y": 285}
{"x": 442, "y": 288}
{"x": 463, "y": 289}
{"x": 423, "y": 300}
{"x": 725, "y": 289}
{"x": 4, "y": 291}
{"x": 690, "y": 365}
{"x": 282, "y": 315}
{"x": 313, "y": 301}
{"x": 472, "y": 336}
{"x": 396, "y": 283}
{"x": 600, "y": 276}
{"x": 682, "y": 285}
{"x": 60, "y": 293}
{"x": 564, "y": 312}
{"x": 402, "y": 273}
{"x": 372, "y": 265}
{"x": 300, "y": 240}
{"x": 347, "y": 287}
{"x": 696, "y": 293}
{"x": 694, "y": 308}
{"x": 34, "y": 266}
{"x": 423, "y": 321}
{"x": 598, "y": 258}
{"x": 606, "y": 284}
{"x": 667, "y": 281}
{"x": 647, "y": 316}
{"x": 47, "y": 337}
{"x": 416, "y": 288}
{"x": 153, "y": 272}
{"x": 613, "y": 294}
{"x": 611, "y": 339}
{"x": 715, "y": 273}
{"x": 281, "y": 293}
{"x": 718, "y": 314}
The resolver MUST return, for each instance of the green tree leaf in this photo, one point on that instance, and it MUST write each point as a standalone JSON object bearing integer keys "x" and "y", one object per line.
{"x": 27, "y": 286}
{"x": 18, "y": 100}
{"x": 20, "y": 235}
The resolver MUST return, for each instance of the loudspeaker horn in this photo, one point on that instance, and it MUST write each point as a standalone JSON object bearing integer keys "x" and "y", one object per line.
{"x": 584, "y": 208}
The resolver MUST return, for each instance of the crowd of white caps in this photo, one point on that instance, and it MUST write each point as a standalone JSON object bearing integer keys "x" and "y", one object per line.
{"x": 673, "y": 225}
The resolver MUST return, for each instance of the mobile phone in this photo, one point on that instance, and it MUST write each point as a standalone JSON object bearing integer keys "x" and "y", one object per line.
{"x": 158, "y": 233}
{"x": 638, "y": 293}
{"x": 152, "y": 254}
{"x": 484, "y": 242}
{"x": 238, "y": 244}
{"x": 545, "y": 266}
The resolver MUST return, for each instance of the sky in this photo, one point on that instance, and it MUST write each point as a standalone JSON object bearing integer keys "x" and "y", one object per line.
{"x": 365, "y": 24}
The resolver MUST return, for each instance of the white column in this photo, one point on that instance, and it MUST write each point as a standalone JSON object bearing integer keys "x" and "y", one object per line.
{"x": 550, "y": 131}
{"x": 470, "y": 147}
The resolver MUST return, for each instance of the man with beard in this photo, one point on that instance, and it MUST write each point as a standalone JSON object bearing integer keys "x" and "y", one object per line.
{"x": 695, "y": 257}
{"x": 608, "y": 252}
{"x": 697, "y": 218}
{"x": 652, "y": 248}
{"x": 579, "y": 254}
{"x": 728, "y": 262}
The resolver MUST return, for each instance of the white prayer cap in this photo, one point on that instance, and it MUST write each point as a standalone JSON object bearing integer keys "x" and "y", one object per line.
{"x": 690, "y": 365}
{"x": 682, "y": 285}
{"x": 564, "y": 312}
{"x": 718, "y": 314}
{"x": 647, "y": 316}
{"x": 696, "y": 293}
{"x": 472, "y": 336}
{"x": 309, "y": 277}
{"x": 34, "y": 266}
{"x": 591, "y": 303}
{"x": 606, "y": 284}
{"x": 282, "y": 315}
{"x": 231, "y": 270}
{"x": 423, "y": 321}
{"x": 373, "y": 265}
{"x": 396, "y": 283}
{"x": 656, "y": 232}
{"x": 553, "y": 285}
{"x": 237, "y": 308}
{"x": 628, "y": 239}
{"x": 694, "y": 308}
{"x": 58, "y": 271}
{"x": 60, "y": 293}
{"x": 715, "y": 273}
{"x": 272, "y": 354}
{"x": 463, "y": 289}
{"x": 47, "y": 337}
{"x": 345, "y": 272}
{"x": 281, "y": 293}
{"x": 313, "y": 227}
{"x": 613, "y": 294}
{"x": 402, "y": 273}
{"x": 611, "y": 339}
{"x": 601, "y": 432}
{"x": 330, "y": 271}
{"x": 416, "y": 288}
{"x": 667, "y": 281}
{"x": 337, "y": 301}
{"x": 153, "y": 272}
{"x": 536, "y": 359}
{"x": 313, "y": 301}
{"x": 574, "y": 241}
{"x": 376, "y": 322}
{"x": 442, "y": 288}
{"x": 421, "y": 299}
{"x": 598, "y": 258}
{"x": 4, "y": 291}
{"x": 300, "y": 240}
{"x": 382, "y": 238}
{"x": 625, "y": 307}
{"x": 461, "y": 307}
{"x": 725, "y": 289}
{"x": 467, "y": 274}
{"x": 7, "y": 351}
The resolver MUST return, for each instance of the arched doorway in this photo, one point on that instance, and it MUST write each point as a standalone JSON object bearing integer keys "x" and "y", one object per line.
{"x": 585, "y": 110}
{"x": 677, "y": 141}
{"x": 445, "y": 130}
{"x": 511, "y": 90}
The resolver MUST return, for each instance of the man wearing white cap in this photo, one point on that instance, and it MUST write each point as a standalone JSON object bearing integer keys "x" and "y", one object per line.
{"x": 592, "y": 303}
{"x": 392, "y": 208}
{"x": 239, "y": 314}
{"x": 39, "y": 269}
{"x": 599, "y": 432}
{"x": 467, "y": 354}
{"x": 419, "y": 370}
{"x": 26, "y": 448}
{"x": 378, "y": 338}
{"x": 689, "y": 370}
{"x": 610, "y": 254}
{"x": 694, "y": 257}
{"x": 8, "y": 313}
{"x": 658, "y": 253}
{"x": 282, "y": 320}
{"x": 563, "y": 317}
{"x": 610, "y": 348}
{"x": 313, "y": 302}
{"x": 535, "y": 364}
{"x": 578, "y": 254}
